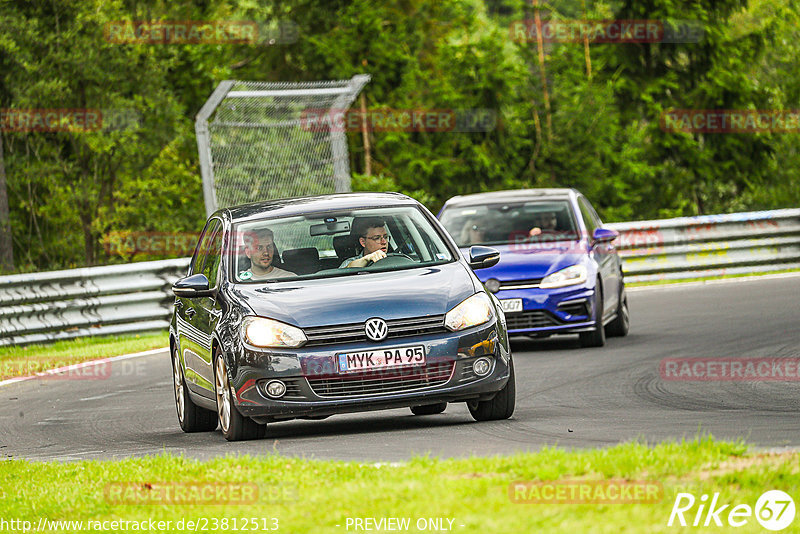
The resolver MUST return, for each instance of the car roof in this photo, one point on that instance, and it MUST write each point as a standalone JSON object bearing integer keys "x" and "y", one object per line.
{"x": 514, "y": 195}
{"x": 287, "y": 207}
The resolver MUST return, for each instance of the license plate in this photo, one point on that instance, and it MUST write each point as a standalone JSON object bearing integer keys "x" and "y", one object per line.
{"x": 382, "y": 358}
{"x": 511, "y": 305}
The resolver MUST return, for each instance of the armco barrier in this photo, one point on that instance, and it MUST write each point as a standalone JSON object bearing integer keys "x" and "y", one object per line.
{"x": 136, "y": 297}
{"x": 709, "y": 245}
{"x": 114, "y": 299}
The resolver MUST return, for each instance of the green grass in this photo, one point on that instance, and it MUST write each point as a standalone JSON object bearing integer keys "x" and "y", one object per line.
{"x": 316, "y": 496}
{"x": 25, "y": 360}
{"x": 707, "y": 278}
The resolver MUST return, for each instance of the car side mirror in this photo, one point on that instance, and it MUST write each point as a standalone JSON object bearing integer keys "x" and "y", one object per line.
{"x": 483, "y": 257}
{"x": 604, "y": 235}
{"x": 192, "y": 287}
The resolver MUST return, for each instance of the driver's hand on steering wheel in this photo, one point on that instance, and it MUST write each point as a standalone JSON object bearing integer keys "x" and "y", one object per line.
{"x": 375, "y": 256}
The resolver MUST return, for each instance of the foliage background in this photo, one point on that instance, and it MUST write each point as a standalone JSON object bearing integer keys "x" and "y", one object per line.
{"x": 598, "y": 131}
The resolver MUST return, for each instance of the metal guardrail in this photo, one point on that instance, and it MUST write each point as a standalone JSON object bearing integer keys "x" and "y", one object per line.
{"x": 115, "y": 299}
{"x": 136, "y": 297}
{"x": 709, "y": 245}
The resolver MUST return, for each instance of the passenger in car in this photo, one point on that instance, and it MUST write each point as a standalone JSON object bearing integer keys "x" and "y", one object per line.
{"x": 374, "y": 240}
{"x": 474, "y": 231}
{"x": 259, "y": 246}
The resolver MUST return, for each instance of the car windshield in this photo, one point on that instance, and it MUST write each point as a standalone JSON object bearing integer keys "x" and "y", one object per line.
{"x": 323, "y": 245}
{"x": 510, "y": 223}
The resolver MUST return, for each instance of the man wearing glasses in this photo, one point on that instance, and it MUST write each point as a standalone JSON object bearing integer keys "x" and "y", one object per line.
{"x": 374, "y": 240}
{"x": 260, "y": 248}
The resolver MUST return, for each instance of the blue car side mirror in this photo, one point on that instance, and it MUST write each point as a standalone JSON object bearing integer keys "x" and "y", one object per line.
{"x": 604, "y": 235}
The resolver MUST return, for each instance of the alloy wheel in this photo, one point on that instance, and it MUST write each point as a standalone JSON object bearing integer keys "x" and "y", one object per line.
{"x": 223, "y": 394}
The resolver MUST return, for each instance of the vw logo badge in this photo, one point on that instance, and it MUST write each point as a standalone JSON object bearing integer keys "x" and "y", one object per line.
{"x": 376, "y": 329}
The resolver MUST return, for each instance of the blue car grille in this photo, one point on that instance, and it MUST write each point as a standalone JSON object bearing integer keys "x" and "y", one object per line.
{"x": 383, "y": 382}
{"x": 520, "y": 284}
{"x": 530, "y": 319}
{"x": 354, "y": 332}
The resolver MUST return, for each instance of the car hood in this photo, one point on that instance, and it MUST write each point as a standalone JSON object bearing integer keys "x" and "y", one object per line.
{"x": 532, "y": 260}
{"x": 356, "y": 298}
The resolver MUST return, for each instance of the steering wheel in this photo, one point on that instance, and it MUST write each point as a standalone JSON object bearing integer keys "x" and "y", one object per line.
{"x": 401, "y": 255}
{"x": 393, "y": 259}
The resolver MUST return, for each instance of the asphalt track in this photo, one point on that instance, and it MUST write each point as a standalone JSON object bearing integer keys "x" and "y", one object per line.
{"x": 566, "y": 396}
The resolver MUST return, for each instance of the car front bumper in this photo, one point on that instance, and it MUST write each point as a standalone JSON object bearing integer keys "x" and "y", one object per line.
{"x": 316, "y": 388}
{"x": 564, "y": 310}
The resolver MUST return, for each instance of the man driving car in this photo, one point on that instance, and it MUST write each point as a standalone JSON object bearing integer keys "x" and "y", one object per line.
{"x": 374, "y": 240}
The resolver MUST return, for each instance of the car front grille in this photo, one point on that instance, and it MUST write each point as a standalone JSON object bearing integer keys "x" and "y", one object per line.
{"x": 398, "y": 380}
{"x": 530, "y": 319}
{"x": 520, "y": 284}
{"x": 354, "y": 332}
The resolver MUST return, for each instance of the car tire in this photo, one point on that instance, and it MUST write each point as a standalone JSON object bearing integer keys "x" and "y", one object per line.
{"x": 501, "y": 406}
{"x": 191, "y": 417}
{"x": 597, "y": 336}
{"x": 234, "y": 426}
{"x": 429, "y": 409}
{"x": 621, "y": 324}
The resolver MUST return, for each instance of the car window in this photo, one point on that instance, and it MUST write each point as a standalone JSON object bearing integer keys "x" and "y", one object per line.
{"x": 320, "y": 245}
{"x": 510, "y": 222}
{"x": 201, "y": 252}
{"x": 213, "y": 257}
{"x": 590, "y": 218}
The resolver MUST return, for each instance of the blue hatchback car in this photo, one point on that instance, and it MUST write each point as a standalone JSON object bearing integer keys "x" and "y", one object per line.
{"x": 559, "y": 272}
{"x": 309, "y": 307}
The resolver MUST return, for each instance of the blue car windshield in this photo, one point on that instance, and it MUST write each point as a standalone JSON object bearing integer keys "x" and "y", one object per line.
{"x": 334, "y": 244}
{"x": 511, "y": 223}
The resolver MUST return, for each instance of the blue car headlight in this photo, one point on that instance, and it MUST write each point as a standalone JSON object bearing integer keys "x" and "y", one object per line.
{"x": 474, "y": 311}
{"x": 261, "y": 332}
{"x": 572, "y": 275}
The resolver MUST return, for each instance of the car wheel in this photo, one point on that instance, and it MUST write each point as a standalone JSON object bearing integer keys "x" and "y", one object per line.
{"x": 429, "y": 409}
{"x": 191, "y": 417}
{"x": 234, "y": 426}
{"x": 597, "y": 336}
{"x": 499, "y": 407}
{"x": 619, "y": 326}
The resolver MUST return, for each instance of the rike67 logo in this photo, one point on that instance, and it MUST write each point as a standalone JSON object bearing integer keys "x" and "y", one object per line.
{"x": 774, "y": 510}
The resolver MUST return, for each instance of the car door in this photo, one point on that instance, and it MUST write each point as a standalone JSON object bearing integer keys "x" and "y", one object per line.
{"x": 605, "y": 255}
{"x": 194, "y": 334}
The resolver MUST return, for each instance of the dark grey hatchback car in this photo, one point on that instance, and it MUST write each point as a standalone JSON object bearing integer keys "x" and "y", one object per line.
{"x": 309, "y": 307}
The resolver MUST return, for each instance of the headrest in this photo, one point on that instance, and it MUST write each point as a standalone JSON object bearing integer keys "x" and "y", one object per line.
{"x": 301, "y": 260}
{"x": 345, "y": 246}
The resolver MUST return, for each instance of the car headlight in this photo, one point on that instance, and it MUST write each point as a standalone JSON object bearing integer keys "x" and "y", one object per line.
{"x": 262, "y": 332}
{"x": 474, "y": 311}
{"x": 575, "y": 274}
